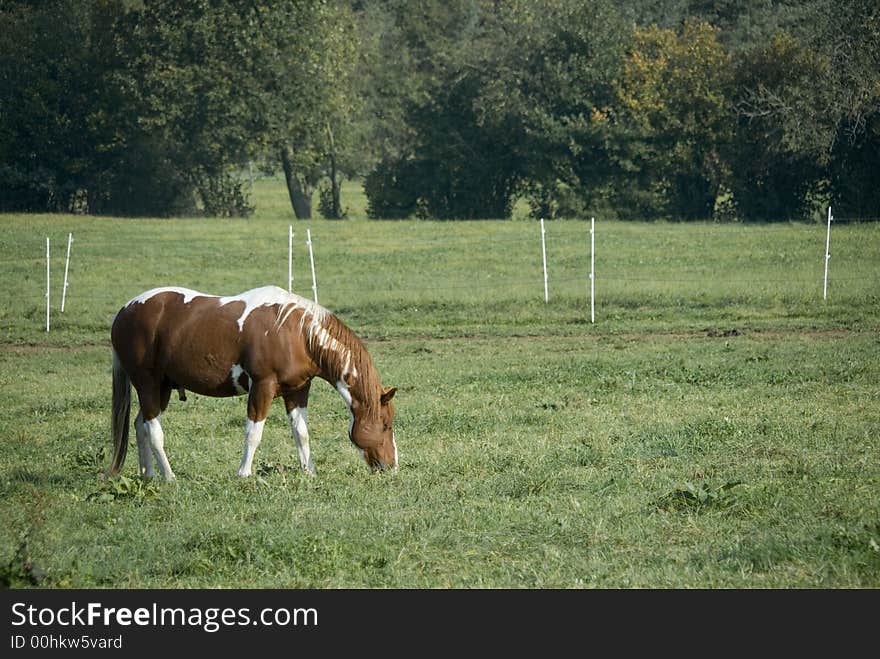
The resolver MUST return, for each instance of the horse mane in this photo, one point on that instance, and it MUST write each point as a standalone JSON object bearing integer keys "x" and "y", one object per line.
{"x": 339, "y": 353}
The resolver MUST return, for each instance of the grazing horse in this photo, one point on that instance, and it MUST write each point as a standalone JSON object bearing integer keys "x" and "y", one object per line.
{"x": 263, "y": 343}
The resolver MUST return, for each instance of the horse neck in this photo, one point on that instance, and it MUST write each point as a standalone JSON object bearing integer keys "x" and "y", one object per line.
{"x": 361, "y": 402}
{"x": 359, "y": 390}
{"x": 343, "y": 361}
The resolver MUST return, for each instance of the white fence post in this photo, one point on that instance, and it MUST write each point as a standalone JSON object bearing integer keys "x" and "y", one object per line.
{"x": 544, "y": 258}
{"x": 827, "y": 256}
{"x": 312, "y": 262}
{"x": 592, "y": 269}
{"x": 290, "y": 259}
{"x": 66, "y": 268}
{"x": 47, "y": 284}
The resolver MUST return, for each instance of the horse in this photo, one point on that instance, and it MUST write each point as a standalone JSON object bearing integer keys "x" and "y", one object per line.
{"x": 262, "y": 343}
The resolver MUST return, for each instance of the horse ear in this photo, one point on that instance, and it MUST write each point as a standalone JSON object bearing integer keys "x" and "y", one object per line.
{"x": 388, "y": 394}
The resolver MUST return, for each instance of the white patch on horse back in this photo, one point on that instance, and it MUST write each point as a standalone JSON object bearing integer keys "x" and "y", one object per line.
{"x": 236, "y": 373}
{"x": 187, "y": 293}
{"x": 269, "y": 295}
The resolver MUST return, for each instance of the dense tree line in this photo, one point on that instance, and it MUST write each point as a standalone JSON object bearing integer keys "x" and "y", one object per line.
{"x": 688, "y": 109}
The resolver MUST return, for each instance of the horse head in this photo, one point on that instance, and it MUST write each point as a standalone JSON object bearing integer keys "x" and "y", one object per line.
{"x": 374, "y": 434}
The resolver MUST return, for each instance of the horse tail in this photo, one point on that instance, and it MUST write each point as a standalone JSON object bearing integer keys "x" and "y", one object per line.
{"x": 120, "y": 416}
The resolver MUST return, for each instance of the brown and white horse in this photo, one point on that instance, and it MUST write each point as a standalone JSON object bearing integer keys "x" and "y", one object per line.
{"x": 264, "y": 343}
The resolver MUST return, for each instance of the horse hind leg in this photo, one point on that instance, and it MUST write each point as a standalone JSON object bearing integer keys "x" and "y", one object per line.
{"x": 151, "y": 432}
{"x": 145, "y": 458}
{"x": 156, "y": 437}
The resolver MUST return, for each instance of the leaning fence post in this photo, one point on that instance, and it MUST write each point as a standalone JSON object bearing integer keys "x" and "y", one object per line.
{"x": 544, "y": 258}
{"x": 66, "y": 268}
{"x": 827, "y": 256}
{"x": 47, "y": 284}
{"x": 312, "y": 262}
{"x": 592, "y": 269}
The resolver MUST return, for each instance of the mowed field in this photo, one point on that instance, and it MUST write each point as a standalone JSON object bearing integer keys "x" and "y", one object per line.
{"x": 716, "y": 427}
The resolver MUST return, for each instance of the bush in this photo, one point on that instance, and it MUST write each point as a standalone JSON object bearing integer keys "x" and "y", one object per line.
{"x": 223, "y": 195}
{"x": 555, "y": 200}
{"x": 391, "y": 190}
{"x": 325, "y": 203}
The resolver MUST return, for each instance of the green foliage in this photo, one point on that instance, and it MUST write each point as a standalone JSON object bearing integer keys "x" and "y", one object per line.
{"x": 224, "y": 195}
{"x": 555, "y": 88}
{"x": 773, "y": 156}
{"x": 668, "y": 108}
{"x": 699, "y": 497}
{"x": 855, "y": 98}
{"x": 392, "y": 190}
{"x": 458, "y": 162}
{"x": 122, "y": 488}
{"x": 460, "y": 168}
{"x": 148, "y": 108}
{"x": 718, "y": 112}
{"x": 673, "y": 110}
{"x": 326, "y": 205}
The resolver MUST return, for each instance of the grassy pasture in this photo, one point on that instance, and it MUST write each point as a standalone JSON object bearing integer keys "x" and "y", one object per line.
{"x": 716, "y": 427}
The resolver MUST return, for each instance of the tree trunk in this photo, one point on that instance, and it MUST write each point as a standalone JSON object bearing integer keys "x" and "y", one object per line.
{"x": 334, "y": 182}
{"x": 298, "y": 188}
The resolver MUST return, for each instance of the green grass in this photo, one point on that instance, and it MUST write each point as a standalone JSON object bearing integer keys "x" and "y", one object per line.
{"x": 717, "y": 427}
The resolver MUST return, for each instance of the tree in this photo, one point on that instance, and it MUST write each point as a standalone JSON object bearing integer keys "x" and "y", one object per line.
{"x": 780, "y": 130}
{"x": 505, "y": 106}
{"x": 552, "y": 86}
{"x": 456, "y": 161}
{"x": 128, "y": 107}
{"x": 808, "y": 106}
{"x": 310, "y": 86}
{"x": 672, "y": 117}
{"x": 68, "y": 116}
{"x": 853, "y": 97}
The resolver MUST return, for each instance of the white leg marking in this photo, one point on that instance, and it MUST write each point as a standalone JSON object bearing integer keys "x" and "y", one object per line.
{"x": 253, "y": 433}
{"x": 300, "y": 431}
{"x": 145, "y": 458}
{"x": 156, "y": 439}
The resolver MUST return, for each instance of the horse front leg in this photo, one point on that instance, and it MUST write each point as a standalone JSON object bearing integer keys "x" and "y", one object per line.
{"x": 296, "y": 404}
{"x": 259, "y": 402}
